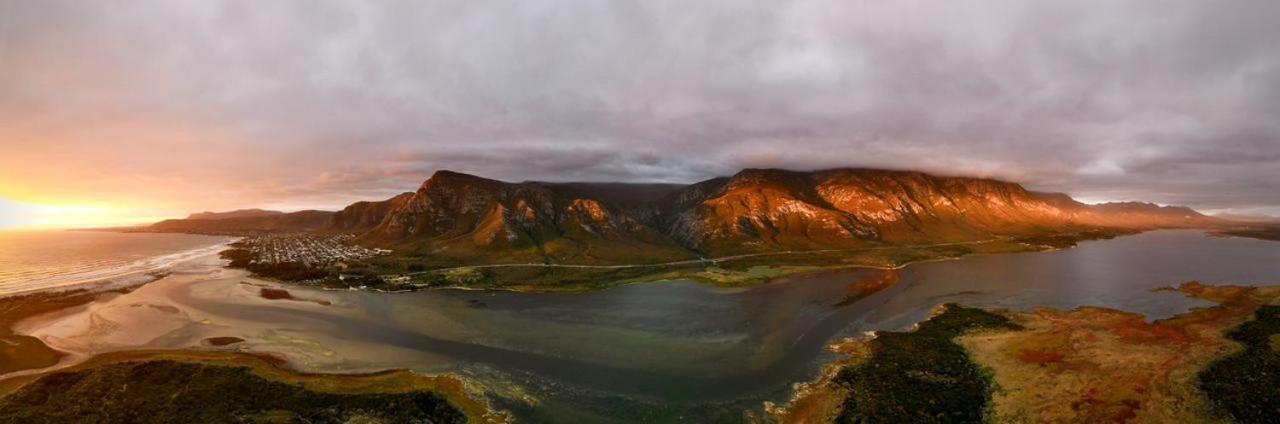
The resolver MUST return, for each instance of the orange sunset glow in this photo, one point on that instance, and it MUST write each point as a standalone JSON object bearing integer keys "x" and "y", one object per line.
{"x": 654, "y": 211}
{"x": 18, "y": 215}
{"x": 112, "y": 113}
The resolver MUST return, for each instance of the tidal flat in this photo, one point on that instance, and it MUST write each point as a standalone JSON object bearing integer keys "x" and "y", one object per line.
{"x": 22, "y": 352}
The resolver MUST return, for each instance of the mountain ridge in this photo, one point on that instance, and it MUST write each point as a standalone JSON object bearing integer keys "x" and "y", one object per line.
{"x": 755, "y": 210}
{"x": 466, "y": 217}
{"x": 238, "y": 213}
{"x": 306, "y": 220}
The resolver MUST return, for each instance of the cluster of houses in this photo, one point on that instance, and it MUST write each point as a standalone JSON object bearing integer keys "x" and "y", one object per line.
{"x": 307, "y": 249}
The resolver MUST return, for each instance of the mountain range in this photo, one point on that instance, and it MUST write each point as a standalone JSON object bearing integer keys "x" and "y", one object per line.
{"x": 756, "y": 210}
{"x": 241, "y": 213}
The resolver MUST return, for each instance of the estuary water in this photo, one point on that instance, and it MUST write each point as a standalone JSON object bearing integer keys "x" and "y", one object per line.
{"x": 671, "y": 351}
{"x": 684, "y": 351}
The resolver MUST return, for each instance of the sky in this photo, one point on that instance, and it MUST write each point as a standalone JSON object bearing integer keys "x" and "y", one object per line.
{"x": 115, "y": 112}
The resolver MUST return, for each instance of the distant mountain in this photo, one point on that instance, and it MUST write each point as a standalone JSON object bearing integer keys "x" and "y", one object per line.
{"x": 1148, "y": 215}
{"x": 1248, "y": 218}
{"x": 239, "y": 225}
{"x": 241, "y": 213}
{"x": 756, "y": 210}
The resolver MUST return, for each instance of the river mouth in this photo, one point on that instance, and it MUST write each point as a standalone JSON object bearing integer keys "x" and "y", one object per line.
{"x": 667, "y": 351}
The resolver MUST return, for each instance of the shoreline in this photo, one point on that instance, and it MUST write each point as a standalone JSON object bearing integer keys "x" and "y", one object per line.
{"x": 76, "y": 330}
{"x": 759, "y": 269}
{"x": 127, "y": 278}
{"x": 691, "y": 275}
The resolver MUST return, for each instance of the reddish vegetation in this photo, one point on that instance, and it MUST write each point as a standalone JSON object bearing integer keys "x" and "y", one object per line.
{"x": 276, "y": 294}
{"x": 870, "y": 284}
{"x": 1041, "y": 357}
{"x": 223, "y": 341}
{"x": 1109, "y": 366}
{"x": 281, "y": 294}
{"x": 1137, "y": 329}
{"x": 1220, "y": 294}
{"x": 1090, "y": 365}
{"x": 1095, "y": 410}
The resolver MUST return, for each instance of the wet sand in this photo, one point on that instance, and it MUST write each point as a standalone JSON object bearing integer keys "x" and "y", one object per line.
{"x": 199, "y": 311}
{"x": 22, "y": 352}
{"x": 282, "y": 294}
{"x": 155, "y": 316}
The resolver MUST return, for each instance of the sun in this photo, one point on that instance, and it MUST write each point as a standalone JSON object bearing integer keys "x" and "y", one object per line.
{"x": 22, "y": 215}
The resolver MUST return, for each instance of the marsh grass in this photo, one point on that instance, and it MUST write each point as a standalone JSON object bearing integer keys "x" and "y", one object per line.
{"x": 921, "y": 376}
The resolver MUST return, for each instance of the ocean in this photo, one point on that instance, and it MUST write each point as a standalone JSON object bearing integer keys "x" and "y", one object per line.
{"x": 49, "y": 259}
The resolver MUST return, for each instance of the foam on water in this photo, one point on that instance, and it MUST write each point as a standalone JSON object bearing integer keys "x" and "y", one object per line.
{"x": 60, "y": 260}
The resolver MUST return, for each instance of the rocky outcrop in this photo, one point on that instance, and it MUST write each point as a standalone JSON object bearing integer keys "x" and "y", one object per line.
{"x": 360, "y": 217}
{"x": 456, "y": 214}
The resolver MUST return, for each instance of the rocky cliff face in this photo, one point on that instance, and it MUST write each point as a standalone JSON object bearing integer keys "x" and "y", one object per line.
{"x": 360, "y": 217}
{"x": 459, "y": 214}
{"x": 756, "y": 210}
{"x": 772, "y": 209}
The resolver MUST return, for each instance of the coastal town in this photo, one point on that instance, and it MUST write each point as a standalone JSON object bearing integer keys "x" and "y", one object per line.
{"x": 306, "y": 249}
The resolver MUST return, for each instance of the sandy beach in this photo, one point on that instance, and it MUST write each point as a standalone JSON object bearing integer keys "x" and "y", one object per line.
{"x": 197, "y": 306}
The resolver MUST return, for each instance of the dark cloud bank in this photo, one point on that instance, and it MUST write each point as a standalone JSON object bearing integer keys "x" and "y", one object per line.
{"x": 1170, "y": 101}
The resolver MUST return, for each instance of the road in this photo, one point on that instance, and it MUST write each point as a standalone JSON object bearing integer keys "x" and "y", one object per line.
{"x": 710, "y": 261}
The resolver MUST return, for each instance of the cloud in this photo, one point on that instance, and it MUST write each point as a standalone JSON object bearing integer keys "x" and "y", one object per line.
{"x": 211, "y": 105}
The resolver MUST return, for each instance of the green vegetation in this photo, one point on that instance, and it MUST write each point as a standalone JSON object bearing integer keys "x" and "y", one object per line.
{"x": 286, "y": 271}
{"x": 239, "y": 257}
{"x": 463, "y": 276}
{"x": 1062, "y": 241}
{"x": 297, "y": 272}
{"x": 512, "y": 271}
{"x": 539, "y": 278}
{"x": 732, "y": 272}
{"x": 1271, "y": 232}
{"x": 1245, "y": 387}
{"x": 920, "y": 376}
{"x": 166, "y": 391}
{"x": 752, "y": 275}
